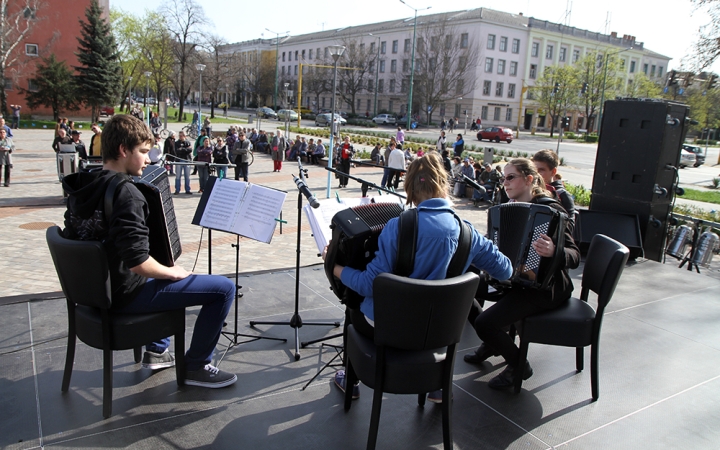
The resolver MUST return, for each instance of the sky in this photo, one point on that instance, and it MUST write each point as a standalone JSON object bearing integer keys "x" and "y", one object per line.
{"x": 668, "y": 28}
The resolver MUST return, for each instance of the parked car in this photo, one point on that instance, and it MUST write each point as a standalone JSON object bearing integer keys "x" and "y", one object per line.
{"x": 223, "y": 105}
{"x": 323, "y": 120}
{"x": 305, "y": 111}
{"x": 107, "y": 110}
{"x": 384, "y": 119}
{"x": 496, "y": 134}
{"x": 266, "y": 113}
{"x": 687, "y": 158}
{"x": 287, "y": 113}
{"x": 699, "y": 154}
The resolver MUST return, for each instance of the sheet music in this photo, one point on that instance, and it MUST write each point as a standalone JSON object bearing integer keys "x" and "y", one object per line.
{"x": 243, "y": 208}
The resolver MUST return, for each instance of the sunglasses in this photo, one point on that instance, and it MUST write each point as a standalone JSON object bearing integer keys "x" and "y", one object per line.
{"x": 511, "y": 177}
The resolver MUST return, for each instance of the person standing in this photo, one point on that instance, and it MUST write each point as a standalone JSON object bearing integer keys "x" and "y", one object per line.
{"x": 443, "y": 124}
{"x": 79, "y": 145}
{"x": 458, "y": 146}
{"x": 155, "y": 151}
{"x": 451, "y": 124}
{"x": 6, "y": 149}
{"x": 396, "y": 166}
{"x": 221, "y": 156}
{"x": 400, "y": 136}
{"x": 183, "y": 154}
{"x": 15, "y": 115}
{"x": 240, "y": 152}
{"x": 204, "y": 157}
{"x": 169, "y": 149}
{"x": 346, "y": 153}
{"x": 441, "y": 142}
{"x": 279, "y": 144}
{"x": 95, "y": 141}
{"x": 386, "y": 157}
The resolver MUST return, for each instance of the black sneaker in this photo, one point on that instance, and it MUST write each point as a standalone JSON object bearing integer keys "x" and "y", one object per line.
{"x": 156, "y": 361}
{"x": 209, "y": 377}
{"x": 506, "y": 378}
{"x": 481, "y": 354}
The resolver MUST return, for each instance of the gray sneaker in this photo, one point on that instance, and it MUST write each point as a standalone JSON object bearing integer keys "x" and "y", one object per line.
{"x": 156, "y": 361}
{"x": 209, "y": 377}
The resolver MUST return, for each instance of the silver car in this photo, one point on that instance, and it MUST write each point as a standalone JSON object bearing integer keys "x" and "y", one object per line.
{"x": 323, "y": 120}
{"x": 384, "y": 119}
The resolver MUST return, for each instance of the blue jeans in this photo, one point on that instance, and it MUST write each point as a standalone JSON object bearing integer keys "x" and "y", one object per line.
{"x": 386, "y": 174}
{"x": 214, "y": 293}
{"x": 180, "y": 171}
{"x": 203, "y": 175}
{"x": 221, "y": 171}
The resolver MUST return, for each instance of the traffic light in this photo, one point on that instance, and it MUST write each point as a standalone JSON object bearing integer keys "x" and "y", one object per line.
{"x": 556, "y": 88}
{"x": 689, "y": 78}
{"x": 672, "y": 78}
{"x": 566, "y": 121}
{"x": 713, "y": 81}
{"x": 584, "y": 89}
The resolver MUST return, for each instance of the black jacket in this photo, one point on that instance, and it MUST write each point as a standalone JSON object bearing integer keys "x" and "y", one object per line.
{"x": 183, "y": 150}
{"x": 126, "y": 237}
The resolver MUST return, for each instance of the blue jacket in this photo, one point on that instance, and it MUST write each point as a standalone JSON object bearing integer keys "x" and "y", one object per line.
{"x": 438, "y": 233}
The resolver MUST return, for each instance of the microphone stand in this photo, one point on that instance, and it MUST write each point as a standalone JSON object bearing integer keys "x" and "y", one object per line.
{"x": 366, "y": 185}
{"x": 296, "y": 321}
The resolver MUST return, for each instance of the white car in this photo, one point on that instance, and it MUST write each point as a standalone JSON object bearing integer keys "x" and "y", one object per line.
{"x": 687, "y": 158}
{"x": 384, "y": 119}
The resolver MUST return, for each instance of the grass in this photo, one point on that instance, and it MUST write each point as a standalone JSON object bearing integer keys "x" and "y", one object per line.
{"x": 702, "y": 196}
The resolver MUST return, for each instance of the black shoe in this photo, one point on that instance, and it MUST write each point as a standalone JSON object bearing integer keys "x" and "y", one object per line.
{"x": 481, "y": 354}
{"x": 506, "y": 378}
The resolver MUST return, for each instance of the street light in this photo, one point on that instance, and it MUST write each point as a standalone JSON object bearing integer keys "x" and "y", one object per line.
{"x": 277, "y": 58}
{"x": 377, "y": 71}
{"x": 147, "y": 94}
{"x": 602, "y": 96}
{"x": 227, "y": 98}
{"x": 287, "y": 116}
{"x": 200, "y": 67}
{"x": 129, "y": 93}
{"x": 412, "y": 64}
{"x": 336, "y": 52}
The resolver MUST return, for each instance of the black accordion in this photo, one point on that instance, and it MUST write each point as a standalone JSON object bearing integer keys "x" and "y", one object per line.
{"x": 354, "y": 242}
{"x": 513, "y": 227}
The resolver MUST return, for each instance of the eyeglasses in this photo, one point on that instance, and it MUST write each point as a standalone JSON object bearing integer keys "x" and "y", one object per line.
{"x": 511, "y": 177}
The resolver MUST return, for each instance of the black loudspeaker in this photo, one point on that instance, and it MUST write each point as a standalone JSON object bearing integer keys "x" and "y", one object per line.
{"x": 636, "y": 164}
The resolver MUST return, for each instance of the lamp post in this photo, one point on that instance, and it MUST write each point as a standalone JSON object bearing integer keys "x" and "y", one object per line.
{"x": 602, "y": 95}
{"x": 129, "y": 93}
{"x": 377, "y": 72}
{"x": 277, "y": 58}
{"x": 200, "y": 67}
{"x": 287, "y": 116}
{"x": 227, "y": 98}
{"x": 336, "y": 52}
{"x": 412, "y": 64}
{"x": 147, "y": 94}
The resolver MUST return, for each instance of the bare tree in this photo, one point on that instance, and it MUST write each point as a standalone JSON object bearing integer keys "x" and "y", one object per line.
{"x": 185, "y": 20}
{"x": 17, "y": 19}
{"x": 445, "y": 67}
{"x": 220, "y": 69}
{"x": 316, "y": 82}
{"x": 357, "y": 62}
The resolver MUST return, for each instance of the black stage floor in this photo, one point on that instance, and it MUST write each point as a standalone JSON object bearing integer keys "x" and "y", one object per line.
{"x": 659, "y": 382}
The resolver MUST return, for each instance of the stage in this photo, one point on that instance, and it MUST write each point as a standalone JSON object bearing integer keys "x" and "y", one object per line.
{"x": 659, "y": 381}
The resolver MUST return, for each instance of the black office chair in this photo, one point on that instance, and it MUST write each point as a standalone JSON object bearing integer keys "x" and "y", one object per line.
{"x": 83, "y": 272}
{"x": 576, "y": 323}
{"x": 417, "y": 326}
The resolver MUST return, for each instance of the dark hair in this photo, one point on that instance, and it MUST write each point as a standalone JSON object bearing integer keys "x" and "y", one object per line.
{"x": 125, "y": 130}
{"x": 548, "y": 157}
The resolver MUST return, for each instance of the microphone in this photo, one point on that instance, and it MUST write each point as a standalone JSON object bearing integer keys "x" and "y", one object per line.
{"x": 302, "y": 187}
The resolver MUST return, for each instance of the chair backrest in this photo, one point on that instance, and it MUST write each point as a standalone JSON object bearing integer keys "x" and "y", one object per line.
{"x": 604, "y": 264}
{"x": 415, "y": 314}
{"x": 82, "y": 269}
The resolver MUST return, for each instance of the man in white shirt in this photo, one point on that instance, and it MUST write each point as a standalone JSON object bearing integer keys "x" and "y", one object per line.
{"x": 396, "y": 165}
{"x": 156, "y": 151}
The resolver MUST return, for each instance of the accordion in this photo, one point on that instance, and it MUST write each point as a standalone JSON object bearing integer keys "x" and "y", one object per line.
{"x": 354, "y": 242}
{"x": 513, "y": 227}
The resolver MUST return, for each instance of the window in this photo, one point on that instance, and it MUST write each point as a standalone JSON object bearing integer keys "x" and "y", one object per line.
{"x": 323, "y": 102}
{"x": 503, "y": 44}
{"x": 460, "y": 87}
{"x": 576, "y": 56}
{"x": 317, "y": 54}
{"x": 303, "y": 55}
{"x": 393, "y": 66}
{"x": 488, "y": 65}
{"x": 283, "y": 70}
{"x": 383, "y": 47}
{"x": 484, "y": 113}
{"x": 549, "y": 52}
{"x": 381, "y": 85}
{"x": 501, "y": 66}
{"x": 296, "y": 70}
{"x": 511, "y": 90}
{"x": 645, "y": 69}
{"x": 563, "y": 54}
{"x": 406, "y": 65}
{"x": 283, "y": 57}
{"x": 8, "y": 84}
{"x": 407, "y": 46}
{"x": 367, "y": 105}
{"x": 499, "y": 86}
{"x": 513, "y": 68}
{"x": 448, "y": 42}
{"x": 392, "y": 86}
{"x": 462, "y": 63}
{"x": 491, "y": 42}
{"x": 395, "y": 46}
{"x": 32, "y": 86}
{"x": 296, "y": 55}
{"x": 464, "y": 40}
{"x": 434, "y": 43}
{"x": 404, "y": 85}
{"x": 372, "y": 66}
{"x": 310, "y": 54}
{"x": 420, "y": 44}
{"x": 508, "y": 115}
{"x": 379, "y": 107}
{"x": 632, "y": 66}
{"x": 390, "y": 105}
{"x": 372, "y": 48}
{"x": 327, "y": 53}
{"x": 487, "y": 84}
{"x": 432, "y": 64}
{"x": 535, "y": 49}
{"x": 652, "y": 70}
{"x": 516, "y": 46}
{"x": 382, "y": 66}
{"x": 533, "y": 71}
{"x": 660, "y": 71}
{"x": 496, "y": 115}
{"x": 370, "y": 85}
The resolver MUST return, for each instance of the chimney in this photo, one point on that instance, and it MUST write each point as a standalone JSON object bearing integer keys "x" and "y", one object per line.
{"x": 613, "y": 34}
{"x": 521, "y": 14}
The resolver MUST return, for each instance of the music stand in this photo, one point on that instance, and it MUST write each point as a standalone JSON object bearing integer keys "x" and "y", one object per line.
{"x": 198, "y": 219}
{"x": 296, "y": 321}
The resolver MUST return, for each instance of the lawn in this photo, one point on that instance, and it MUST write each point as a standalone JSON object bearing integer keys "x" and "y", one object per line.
{"x": 702, "y": 196}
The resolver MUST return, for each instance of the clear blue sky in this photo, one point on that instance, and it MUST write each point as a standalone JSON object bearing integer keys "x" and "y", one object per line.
{"x": 668, "y": 28}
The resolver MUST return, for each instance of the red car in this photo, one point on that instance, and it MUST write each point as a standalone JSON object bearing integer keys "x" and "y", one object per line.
{"x": 496, "y": 134}
{"x": 107, "y": 111}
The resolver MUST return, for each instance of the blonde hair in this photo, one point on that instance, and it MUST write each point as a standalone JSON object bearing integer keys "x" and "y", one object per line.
{"x": 426, "y": 178}
{"x": 527, "y": 167}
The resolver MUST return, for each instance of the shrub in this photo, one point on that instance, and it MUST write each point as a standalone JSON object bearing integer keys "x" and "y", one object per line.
{"x": 591, "y": 139}
{"x": 715, "y": 183}
{"x": 580, "y": 194}
{"x": 707, "y": 141}
{"x": 570, "y": 135}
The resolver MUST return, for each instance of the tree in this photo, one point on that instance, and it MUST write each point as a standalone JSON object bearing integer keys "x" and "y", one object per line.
{"x": 444, "y": 69}
{"x": 100, "y": 77}
{"x": 642, "y": 87}
{"x": 317, "y": 81}
{"x": 185, "y": 22}
{"x": 357, "y": 62}
{"x": 17, "y": 19}
{"x": 707, "y": 48}
{"x": 220, "y": 68}
{"x": 55, "y": 87}
{"x": 128, "y": 30}
{"x": 556, "y": 91}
